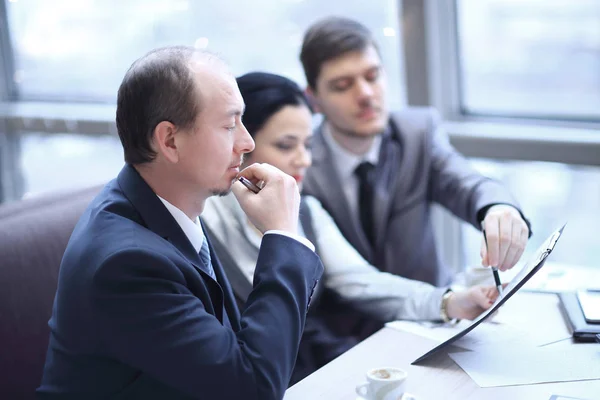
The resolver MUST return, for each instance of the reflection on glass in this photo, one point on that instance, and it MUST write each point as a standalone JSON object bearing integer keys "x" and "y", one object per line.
{"x": 76, "y": 50}
{"x": 530, "y": 57}
{"x": 550, "y": 194}
{"x": 52, "y": 162}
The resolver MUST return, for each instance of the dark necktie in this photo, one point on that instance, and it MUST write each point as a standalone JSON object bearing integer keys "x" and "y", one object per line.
{"x": 205, "y": 257}
{"x": 366, "y": 184}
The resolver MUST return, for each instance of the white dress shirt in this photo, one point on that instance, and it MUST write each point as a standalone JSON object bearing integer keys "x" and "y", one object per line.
{"x": 193, "y": 229}
{"x": 377, "y": 293}
{"x": 345, "y": 164}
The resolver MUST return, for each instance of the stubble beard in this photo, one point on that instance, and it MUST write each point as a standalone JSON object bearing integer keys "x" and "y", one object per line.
{"x": 223, "y": 192}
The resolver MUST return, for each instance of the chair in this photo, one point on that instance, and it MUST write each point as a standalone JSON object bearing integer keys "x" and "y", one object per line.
{"x": 33, "y": 236}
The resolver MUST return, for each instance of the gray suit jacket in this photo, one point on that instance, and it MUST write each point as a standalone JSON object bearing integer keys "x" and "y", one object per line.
{"x": 417, "y": 166}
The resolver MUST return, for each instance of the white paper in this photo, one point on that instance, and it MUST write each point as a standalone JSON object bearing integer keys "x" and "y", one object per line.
{"x": 485, "y": 334}
{"x": 508, "y": 366}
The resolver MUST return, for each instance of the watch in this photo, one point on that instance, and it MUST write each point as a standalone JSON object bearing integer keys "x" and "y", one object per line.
{"x": 444, "y": 305}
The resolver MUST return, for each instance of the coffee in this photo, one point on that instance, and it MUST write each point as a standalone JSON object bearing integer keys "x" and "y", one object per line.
{"x": 383, "y": 384}
{"x": 386, "y": 374}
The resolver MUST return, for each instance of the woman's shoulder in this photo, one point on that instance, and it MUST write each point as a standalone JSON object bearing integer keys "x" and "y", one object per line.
{"x": 219, "y": 208}
{"x": 312, "y": 202}
{"x": 317, "y": 212}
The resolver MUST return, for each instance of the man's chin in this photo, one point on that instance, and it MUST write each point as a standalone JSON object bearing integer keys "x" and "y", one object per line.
{"x": 366, "y": 130}
{"x": 373, "y": 128}
{"x": 221, "y": 193}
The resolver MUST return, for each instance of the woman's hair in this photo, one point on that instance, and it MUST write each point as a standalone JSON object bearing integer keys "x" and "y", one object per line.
{"x": 265, "y": 94}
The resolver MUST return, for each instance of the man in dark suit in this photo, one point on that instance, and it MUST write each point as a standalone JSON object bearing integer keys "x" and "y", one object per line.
{"x": 143, "y": 309}
{"x": 377, "y": 173}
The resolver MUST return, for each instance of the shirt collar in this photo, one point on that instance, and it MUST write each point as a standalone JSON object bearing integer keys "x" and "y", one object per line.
{"x": 345, "y": 161}
{"x": 191, "y": 229}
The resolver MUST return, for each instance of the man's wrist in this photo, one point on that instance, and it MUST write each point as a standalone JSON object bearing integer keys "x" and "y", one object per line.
{"x": 296, "y": 237}
{"x": 444, "y": 305}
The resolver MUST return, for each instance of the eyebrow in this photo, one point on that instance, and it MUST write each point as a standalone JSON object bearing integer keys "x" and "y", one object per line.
{"x": 342, "y": 77}
{"x": 236, "y": 112}
{"x": 289, "y": 136}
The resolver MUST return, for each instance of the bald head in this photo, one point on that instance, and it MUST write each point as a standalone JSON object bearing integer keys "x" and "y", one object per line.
{"x": 163, "y": 85}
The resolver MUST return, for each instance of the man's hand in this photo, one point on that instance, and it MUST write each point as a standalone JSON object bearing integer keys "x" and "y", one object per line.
{"x": 276, "y": 206}
{"x": 471, "y": 302}
{"x": 507, "y": 236}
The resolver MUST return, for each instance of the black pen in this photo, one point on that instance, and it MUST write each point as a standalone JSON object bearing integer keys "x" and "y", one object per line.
{"x": 251, "y": 186}
{"x": 494, "y": 269}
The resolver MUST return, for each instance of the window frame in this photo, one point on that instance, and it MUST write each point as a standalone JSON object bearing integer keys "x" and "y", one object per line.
{"x": 432, "y": 76}
{"x": 513, "y": 137}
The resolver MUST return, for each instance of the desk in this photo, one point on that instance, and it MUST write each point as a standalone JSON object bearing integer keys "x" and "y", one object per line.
{"x": 441, "y": 378}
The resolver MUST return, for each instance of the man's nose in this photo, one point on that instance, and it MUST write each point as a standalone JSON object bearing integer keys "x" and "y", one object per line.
{"x": 243, "y": 141}
{"x": 364, "y": 89}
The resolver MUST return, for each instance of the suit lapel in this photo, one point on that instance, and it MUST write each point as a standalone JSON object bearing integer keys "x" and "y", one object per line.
{"x": 158, "y": 219}
{"x": 398, "y": 150}
{"x": 323, "y": 181}
{"x": 240, "y": 285}
{"x": 387, "y": 174}
{"x": 231, "y": 309}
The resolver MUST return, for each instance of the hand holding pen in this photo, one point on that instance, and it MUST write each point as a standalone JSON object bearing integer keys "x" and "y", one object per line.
{"x": 507, "y": 236}
{"x": 494, "y": 269}
{"x": 275, "y": 205}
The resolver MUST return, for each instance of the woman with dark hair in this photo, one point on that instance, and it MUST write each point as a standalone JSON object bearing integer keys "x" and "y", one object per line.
{"x": 279, "y": 118}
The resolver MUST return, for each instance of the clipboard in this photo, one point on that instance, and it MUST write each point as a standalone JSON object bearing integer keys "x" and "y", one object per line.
{"x": 533, "y": 265}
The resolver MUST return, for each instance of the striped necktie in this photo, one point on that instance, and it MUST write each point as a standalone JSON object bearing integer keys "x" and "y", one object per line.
{"x": 205, "y": 257}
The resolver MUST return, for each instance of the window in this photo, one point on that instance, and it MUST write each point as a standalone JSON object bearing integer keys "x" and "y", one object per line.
{"x": 550, "y": 194}
{"x": 79, "y": 50}
{"x": 57, "y": 161}
{"x": 531, "y": 58}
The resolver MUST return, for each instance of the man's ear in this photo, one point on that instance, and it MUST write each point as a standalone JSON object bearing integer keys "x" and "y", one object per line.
{"x": 164, "y": 141}
{"x": 312, "y": 99}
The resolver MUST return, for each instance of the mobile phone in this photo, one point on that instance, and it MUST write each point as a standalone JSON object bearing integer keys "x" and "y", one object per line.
{"x": 589, "y": 300}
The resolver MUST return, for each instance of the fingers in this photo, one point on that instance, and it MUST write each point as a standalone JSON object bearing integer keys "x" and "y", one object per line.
{"x": 507, "y": 236}
{"x": 275, "y": 206}
{"x": 259, "y": 172}
{"x": 504, "y": 240}
{"x": 484, "y": 254}
{"x": 239, "y": 190}
{"x": 486, "y": 296}
{"x": 492, "y": 233}
{"x": 517, "y": 245}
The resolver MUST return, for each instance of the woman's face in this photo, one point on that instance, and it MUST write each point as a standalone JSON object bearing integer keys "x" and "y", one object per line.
{"x": 284, "y": 142}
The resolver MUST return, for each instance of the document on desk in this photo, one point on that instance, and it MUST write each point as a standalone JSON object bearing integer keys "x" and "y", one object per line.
{"x": 510, "y": 366}
{"x": 531, "y": 267}
{"x": 483, "y": 336}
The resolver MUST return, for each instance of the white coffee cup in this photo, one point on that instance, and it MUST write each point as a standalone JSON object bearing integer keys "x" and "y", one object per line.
{"x": 383, "y": 384}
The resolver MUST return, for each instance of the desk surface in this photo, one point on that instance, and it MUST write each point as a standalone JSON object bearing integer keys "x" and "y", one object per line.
{"x": 441, "y": 378}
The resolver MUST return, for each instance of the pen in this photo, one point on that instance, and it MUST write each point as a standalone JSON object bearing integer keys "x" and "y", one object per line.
{"x": 494, "y": 269}
{"x": 251, "y": 186}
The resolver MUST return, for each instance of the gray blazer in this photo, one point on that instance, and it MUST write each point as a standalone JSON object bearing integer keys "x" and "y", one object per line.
{"x": 417, "y": 166}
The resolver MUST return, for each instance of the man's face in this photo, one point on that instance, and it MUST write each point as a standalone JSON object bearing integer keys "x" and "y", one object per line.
{"x": 211, "y": 154}
{"x": 350, "y": 92}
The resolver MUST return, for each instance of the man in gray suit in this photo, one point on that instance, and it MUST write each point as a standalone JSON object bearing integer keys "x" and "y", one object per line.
{"x": 378, "y": 172}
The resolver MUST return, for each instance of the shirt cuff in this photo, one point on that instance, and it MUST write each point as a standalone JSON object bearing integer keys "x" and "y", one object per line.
{"x": 298, "y": 238}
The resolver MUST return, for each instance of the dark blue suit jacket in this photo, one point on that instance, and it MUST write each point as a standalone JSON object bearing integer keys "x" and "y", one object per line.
{"x": 137, "y": 316}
